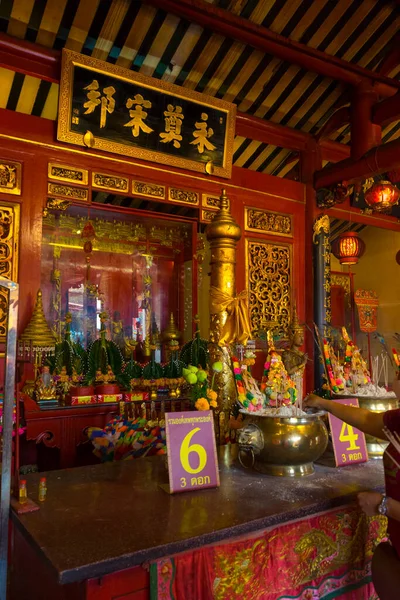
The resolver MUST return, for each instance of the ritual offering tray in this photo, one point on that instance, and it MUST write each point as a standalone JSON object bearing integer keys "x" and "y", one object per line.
{"x": 282, "y": 446}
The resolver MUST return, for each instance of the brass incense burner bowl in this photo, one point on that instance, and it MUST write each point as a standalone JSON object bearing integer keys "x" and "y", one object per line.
{"x": 282, "y": 446}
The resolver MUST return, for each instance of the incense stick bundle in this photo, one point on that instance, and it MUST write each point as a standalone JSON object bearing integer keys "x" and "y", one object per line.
{"x": 396, "y": 444}
{"x": 393, "y": 438}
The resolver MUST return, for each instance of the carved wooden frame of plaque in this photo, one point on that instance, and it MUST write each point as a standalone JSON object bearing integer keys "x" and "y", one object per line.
{"x": 9, "y": 248}
{"x": 71, "y": 59}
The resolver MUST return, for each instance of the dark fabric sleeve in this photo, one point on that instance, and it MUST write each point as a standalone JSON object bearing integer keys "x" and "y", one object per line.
{"x": 391, "y": 419}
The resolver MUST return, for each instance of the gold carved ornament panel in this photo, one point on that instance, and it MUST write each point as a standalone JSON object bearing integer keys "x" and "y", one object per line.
{"x": 269, "y": 275}
{"x": 9, "y": 232}
{"x": 10, "y": 178}
{"x": 268, "y": 222}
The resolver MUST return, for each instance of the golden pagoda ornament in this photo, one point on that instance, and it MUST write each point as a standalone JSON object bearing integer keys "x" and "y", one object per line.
{"x": 37, "y": 341}
{"x": 170, "y": 337}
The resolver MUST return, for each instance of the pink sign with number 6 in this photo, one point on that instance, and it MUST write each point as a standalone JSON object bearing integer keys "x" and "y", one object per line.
{"x": 348, "y": 442}
{"x": 192, "y": 455}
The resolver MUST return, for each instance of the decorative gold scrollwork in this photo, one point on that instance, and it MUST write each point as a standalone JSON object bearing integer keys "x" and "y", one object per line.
{"x": 267, "y": 221}
{"x": 10, "y": 178}
{"x": 269, "y": 283}
{"x": 185, "y": 196}
{"x": 67, "y": 173}
{"x": 140, "y": 188}
{"x": 67, "y": 191}
{"x": 9, "y": 230}
{"x": 110, "y": 182}
{"x": 322, "y": 223}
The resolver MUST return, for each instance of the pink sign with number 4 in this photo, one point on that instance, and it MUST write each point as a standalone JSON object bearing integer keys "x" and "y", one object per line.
{"x": 348, "y": 442}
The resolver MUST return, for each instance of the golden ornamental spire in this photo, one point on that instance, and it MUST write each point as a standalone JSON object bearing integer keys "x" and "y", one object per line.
{"x": 295, "y": 324}
{"x": 223, "y": 226}
{"x": 171, "y": 331}
{"x": 38, "y": 331}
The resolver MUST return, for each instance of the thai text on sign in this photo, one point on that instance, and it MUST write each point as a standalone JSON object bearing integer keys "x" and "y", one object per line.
{"x": 349, "y": 444}
{"x": 192, "y": 455}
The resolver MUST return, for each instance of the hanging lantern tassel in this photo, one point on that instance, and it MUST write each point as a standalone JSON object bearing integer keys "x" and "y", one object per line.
{"x": 88, "y": 235}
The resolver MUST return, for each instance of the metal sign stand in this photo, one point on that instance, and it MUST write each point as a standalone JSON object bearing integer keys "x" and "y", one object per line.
{"x": 8, "y": 406}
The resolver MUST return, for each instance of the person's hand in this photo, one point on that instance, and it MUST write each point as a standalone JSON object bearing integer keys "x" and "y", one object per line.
{"x": 369, "y": 502}
{"x": 314, "y": 401}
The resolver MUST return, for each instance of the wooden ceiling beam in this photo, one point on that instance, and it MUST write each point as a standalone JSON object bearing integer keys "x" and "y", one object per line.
{"x": 238, "y": 28}
{"x": 387, "y": 110}
{"x": 29, "y": 59}
{"x": 257, "y": 129}
{"x": 377, "y": 160}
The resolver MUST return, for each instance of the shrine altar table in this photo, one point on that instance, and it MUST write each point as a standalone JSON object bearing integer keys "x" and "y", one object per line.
{"x": 110, "y": 532}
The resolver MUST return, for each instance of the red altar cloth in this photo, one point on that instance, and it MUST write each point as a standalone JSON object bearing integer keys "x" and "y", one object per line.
{"x": 321, "y": 557}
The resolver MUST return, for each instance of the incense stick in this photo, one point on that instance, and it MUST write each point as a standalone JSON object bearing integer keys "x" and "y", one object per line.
{"x": 389, "y": 435}
{"x": 393, "y": 439}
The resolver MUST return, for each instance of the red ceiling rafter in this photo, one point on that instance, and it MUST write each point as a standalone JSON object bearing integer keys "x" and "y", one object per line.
{"x": 29, "y": 59}
{"x": 232, "y": 26}
{"x": 337, "y": 119}
{"x": 377, "y": 160}
{"x": 387, "y": 110}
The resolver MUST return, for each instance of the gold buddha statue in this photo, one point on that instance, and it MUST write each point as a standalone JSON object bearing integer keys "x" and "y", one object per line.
{"x": 294, "y": 359}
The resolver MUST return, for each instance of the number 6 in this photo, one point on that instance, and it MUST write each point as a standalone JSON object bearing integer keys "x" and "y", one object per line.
{"x": 186, "y": 449}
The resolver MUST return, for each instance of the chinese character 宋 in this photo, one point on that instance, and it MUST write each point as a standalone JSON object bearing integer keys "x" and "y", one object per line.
{"x": 138, "y": 115}
{"x": 173, "y": 125}
{"x": 95, "y": 98}
{"x": 202, "y": 134}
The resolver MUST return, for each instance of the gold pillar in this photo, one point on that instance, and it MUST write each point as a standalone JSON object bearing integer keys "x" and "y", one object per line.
{"x": 223, "y": 234}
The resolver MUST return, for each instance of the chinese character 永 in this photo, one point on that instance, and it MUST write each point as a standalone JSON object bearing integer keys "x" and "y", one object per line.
{"x": 173, "y": 125}
{"x": 138, "y": 115}
{"x": 95, "y": 98}
{"x": 202, "y": 134}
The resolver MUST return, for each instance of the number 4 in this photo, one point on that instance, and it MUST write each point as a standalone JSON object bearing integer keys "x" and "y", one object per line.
{"x": 350, "y": 437}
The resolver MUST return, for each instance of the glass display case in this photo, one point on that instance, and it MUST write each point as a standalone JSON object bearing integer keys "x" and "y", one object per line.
{"x": 138, "y": 270}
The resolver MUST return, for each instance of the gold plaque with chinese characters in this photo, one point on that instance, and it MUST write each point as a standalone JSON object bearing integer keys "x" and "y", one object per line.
{"x": 10, "y": 177}
{"x": 269, "y": 275}
{"x": 125, "y": 112}
{"x": 9, "y": 243}
{"x": 267, "y": 221}
{"x": 68, "y": 191}
{"x": 113, "y": 183}
{"x": 68, "y": 174}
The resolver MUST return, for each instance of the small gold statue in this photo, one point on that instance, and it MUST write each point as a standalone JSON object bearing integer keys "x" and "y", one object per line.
{"x": 45, "y": 388}
{"x": 294, "y": 359}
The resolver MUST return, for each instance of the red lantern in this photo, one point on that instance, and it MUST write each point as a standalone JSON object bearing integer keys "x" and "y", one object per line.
{"x": 382, "y": 196}
{"x": 348, "y": 248}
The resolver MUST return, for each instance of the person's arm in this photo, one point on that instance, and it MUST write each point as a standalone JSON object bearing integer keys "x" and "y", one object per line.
{"x": 364, "y": 420}
{"x": 369, "y": 502}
